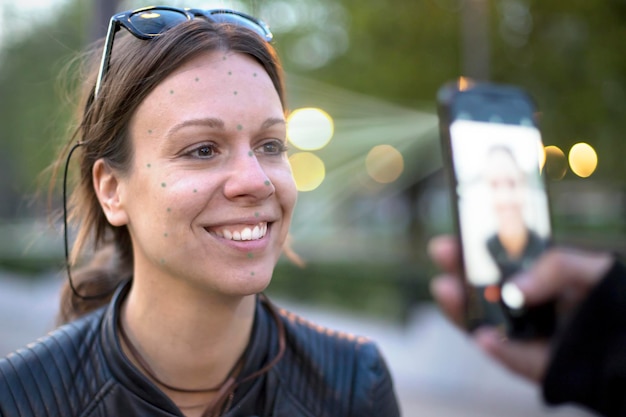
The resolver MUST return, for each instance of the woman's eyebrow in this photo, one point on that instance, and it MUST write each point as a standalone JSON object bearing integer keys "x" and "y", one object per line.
{"x": 272, "y": 121}
{"x": 212, "y": 122}
{"x": 217, "y": 123}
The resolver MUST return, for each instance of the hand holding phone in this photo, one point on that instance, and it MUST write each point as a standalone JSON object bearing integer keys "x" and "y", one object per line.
{"x": 493, "y": 154}
{"x": 566, "y": 275}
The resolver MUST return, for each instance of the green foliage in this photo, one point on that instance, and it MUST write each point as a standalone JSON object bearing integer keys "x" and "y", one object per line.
{"x": 400, "y": 53}
{"x": 33, "y": 117}
{"x": 572, "y": 65}
{"x": 374, "y": 289}
{"x": 567, "y": 54}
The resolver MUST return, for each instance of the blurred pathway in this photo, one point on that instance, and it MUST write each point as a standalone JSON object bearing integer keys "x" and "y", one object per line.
{"x": 437, "y": 371}
{"x": 28, "y": 309}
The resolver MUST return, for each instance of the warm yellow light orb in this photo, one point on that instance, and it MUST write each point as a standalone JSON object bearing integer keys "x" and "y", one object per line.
{"x": 308, "y": 170}
{"x": 583, "y": 159}
{"x": 384, "y": 163}
{"x": 309, "y": 128}
{"x": 556, "y": 164}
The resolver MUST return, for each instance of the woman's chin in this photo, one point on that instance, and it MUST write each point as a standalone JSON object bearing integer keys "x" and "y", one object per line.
{"x": 252, "y": 282}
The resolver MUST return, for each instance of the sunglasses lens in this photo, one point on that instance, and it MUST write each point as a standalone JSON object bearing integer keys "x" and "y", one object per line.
{"x": 235, "y": 19}
{"x": 155, "y": 21}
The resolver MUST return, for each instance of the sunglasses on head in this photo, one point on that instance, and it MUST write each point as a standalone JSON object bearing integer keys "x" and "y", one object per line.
{"x": 151, "y": 22}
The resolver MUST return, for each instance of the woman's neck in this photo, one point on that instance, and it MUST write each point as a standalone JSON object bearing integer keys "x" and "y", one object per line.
{"x": 514, "y": 238}
{"x": 190, "y": 339}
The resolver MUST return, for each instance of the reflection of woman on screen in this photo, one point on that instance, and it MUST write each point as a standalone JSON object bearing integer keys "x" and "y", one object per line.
{"x": 514, "y": 245}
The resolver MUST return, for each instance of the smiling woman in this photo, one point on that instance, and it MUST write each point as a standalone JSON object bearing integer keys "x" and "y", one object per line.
{"x": 183, "y": 205}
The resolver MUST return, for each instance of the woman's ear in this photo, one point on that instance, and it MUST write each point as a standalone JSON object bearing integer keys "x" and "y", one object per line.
{"x": 108, "y": 190}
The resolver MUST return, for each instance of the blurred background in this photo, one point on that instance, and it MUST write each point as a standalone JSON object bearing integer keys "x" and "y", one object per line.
{"x": 362, "y": 76}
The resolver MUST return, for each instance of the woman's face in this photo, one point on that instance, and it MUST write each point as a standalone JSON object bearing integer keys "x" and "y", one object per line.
{"x": 210, "y": 195}
{"x": 507, "y": 186}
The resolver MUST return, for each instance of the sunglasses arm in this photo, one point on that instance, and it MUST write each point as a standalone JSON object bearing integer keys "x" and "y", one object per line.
{"x": 114, "y": 26}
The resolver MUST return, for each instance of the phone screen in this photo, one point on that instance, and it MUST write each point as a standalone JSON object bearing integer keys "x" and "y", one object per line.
{"x": 502, "y": 202}
{"x": 496, "y": 155}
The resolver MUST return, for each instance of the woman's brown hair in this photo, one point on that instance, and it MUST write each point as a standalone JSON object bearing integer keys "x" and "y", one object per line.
{"x": 136, "y": 68}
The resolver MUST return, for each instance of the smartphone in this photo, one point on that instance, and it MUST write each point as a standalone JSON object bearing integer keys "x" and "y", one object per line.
{"x": 493, "y": 156}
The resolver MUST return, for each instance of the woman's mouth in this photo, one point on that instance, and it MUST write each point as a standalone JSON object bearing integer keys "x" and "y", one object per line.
{"x": 241, "y": 232}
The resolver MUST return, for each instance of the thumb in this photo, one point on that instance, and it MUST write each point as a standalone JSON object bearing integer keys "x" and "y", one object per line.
{"x": 561, "y": 272}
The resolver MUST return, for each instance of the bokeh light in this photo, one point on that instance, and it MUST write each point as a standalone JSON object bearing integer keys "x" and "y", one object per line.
{"x": 556, "y": 164}
{"x": 583, "y": 159}
{"x": 309, "y": 128}
{"x": 308, "y": 170}
{"x": 384, "y": 163}
{"x": 464, "y": 83}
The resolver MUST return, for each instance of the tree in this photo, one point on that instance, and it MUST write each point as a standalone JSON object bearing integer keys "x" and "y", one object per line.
{"x": 565, "y": 53}
{"x": 33, "y": 115}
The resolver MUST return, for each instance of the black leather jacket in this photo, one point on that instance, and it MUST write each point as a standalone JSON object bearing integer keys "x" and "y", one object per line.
{"x": 588, "y": 365}
{"x": 80, "y": 370}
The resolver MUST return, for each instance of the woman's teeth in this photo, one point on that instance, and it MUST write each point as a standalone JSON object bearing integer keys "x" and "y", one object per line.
{"x": 245, "y": 233}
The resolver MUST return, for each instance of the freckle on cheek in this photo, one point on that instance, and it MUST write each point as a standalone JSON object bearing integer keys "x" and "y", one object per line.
{"x": 148, "y": 165}
{"x": 169, "y": 210}
{"x": 165, "y": 234}
{"x": 239, "y": 127}
{"x": 252, "y": 273}
{"x": 163, "y": 185}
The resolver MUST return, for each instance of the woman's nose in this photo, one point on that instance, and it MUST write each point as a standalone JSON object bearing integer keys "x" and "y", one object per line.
{"x": 247, "y": 178}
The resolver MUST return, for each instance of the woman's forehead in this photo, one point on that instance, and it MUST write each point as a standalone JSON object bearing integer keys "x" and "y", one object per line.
{"x": 222, "y": 84}
{"x": 217, "y": 68}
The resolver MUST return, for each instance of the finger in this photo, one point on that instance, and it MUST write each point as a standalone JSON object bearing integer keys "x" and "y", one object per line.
{"x": 444, "y": 251}
{"x": 562, "y": 271}
{"x": 528, "y": 359}
{"x": 448, "y": 292}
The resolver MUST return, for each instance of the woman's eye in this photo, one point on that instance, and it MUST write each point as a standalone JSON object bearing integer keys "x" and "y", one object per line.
{"x": 204, "y": 151}
{"x": 274, "y": 147}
